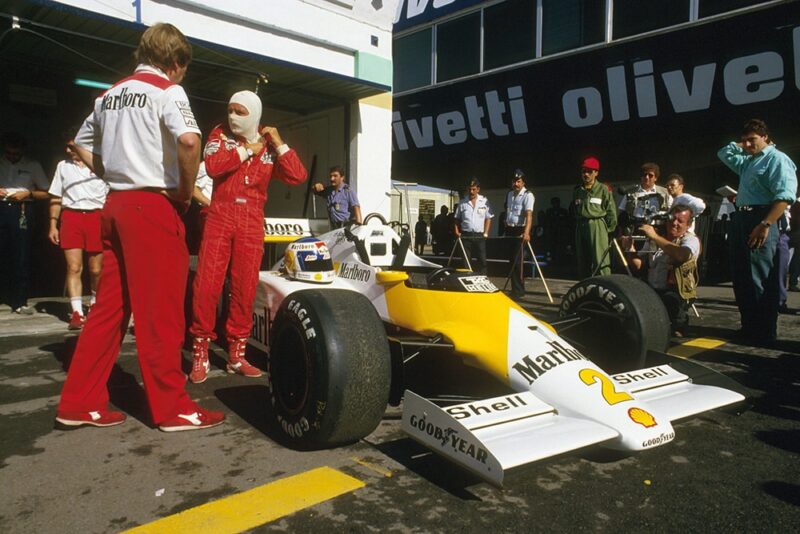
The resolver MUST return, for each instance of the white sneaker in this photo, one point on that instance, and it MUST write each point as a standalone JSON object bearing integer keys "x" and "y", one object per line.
{"x": 25, "y": 310}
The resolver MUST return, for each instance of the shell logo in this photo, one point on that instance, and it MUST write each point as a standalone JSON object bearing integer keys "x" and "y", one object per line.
{"x": 642, "y": 417}
{"x": 318, "y": 277}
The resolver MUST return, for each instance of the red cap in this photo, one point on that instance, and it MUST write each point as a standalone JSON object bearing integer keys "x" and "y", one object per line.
{"x": 591, "y": 163}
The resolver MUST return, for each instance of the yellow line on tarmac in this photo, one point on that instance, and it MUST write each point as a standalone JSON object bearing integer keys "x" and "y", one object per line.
{"x": 257, "y": 506}
{"x": 695, "y": 346}
{"x": 371, "y": 466}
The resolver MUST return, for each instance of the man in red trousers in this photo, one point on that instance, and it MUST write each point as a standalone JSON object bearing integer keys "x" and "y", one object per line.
{"x": 143, "y": 140}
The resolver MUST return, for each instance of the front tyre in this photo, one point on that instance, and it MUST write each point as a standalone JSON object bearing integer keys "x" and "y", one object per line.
{"x": 328, "y": 368}
{"x": 622, "y": 319}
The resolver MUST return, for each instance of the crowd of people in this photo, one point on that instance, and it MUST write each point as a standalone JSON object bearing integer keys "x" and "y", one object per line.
{"x": 652, "y": 229}
{"x": 131, "y": 171}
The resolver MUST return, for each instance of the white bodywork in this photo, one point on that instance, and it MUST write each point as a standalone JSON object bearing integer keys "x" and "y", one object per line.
{"x": 563, "y": 401}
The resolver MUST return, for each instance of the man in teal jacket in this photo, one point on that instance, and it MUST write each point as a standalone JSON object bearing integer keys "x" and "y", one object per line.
{"x": 767, "y": 185}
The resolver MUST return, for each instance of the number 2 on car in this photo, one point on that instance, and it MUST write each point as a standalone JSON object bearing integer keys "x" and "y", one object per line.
{"x": 607, "y": 389}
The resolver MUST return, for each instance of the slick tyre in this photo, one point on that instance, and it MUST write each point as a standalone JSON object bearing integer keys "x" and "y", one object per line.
{"x": 621, "y": 318}
{"x": 328, "y": 368}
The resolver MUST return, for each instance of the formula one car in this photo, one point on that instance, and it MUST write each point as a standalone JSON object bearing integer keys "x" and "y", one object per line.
{"x": 354, "y": 320}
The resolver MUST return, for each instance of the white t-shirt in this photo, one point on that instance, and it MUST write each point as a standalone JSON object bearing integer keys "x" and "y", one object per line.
{"x": 661, "y": 265}
{"x": 134, "y": 128}
{"x": 697, "y": 205}
{"x": 24, "y": 174}
{"x": 78, "y": 187}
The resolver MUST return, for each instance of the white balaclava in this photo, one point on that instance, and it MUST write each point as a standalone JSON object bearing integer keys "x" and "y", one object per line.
{"x": 246, "y": 126}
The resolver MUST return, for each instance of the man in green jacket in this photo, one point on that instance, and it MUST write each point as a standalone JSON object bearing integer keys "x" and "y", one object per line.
{"x": 595, "y": 217}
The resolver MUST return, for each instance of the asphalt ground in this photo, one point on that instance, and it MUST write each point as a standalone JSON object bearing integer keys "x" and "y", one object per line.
{"x": 722, "y": 472}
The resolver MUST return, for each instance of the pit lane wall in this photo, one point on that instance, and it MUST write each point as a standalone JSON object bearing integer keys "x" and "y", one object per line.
{"x": 346, "y": 38}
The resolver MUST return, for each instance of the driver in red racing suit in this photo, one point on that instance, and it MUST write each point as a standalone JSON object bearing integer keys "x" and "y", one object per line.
{"x": 241, "y": 159}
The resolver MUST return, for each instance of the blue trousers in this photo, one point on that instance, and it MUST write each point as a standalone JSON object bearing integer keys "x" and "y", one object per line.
{"x": 15, "y": 247}
{"x": 756, "y": 275}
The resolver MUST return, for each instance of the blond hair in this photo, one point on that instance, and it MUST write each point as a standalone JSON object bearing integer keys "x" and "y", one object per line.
{"x": 163, "y": 46}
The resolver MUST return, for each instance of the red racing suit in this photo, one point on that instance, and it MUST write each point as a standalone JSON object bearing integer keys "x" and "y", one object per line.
{"x": 234, "y": 229}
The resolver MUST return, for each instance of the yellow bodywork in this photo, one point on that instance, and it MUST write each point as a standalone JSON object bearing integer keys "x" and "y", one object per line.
{"x": 476, "y": 323}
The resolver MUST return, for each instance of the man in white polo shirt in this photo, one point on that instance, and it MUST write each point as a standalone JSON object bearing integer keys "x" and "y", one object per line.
{"x": 143, "y": 140}
{"x": 473, "y": 219}
{"x": 77, "y": 196}
{"x": 21, "y": 181}
{"x": 519, "y": 219}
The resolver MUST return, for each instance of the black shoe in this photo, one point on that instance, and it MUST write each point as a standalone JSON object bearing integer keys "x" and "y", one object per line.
{"x": 794, "y": 289}
{"x": 764, "y": 343}
{"x": 742, "y": 336}
{"x": 783, "y": 308}
{"x": 516, "y": 296}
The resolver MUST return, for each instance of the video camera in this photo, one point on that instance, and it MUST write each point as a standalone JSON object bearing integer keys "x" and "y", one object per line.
{"x": 642, "y": 208}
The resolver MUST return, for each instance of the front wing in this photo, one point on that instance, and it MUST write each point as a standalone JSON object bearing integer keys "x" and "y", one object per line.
{"x": 490, "y": 436}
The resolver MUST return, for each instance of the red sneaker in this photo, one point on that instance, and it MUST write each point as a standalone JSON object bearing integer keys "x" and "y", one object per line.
{"x": 196, "y": 420}
{"x": 76, "y": 322}
{"x": 200, "y": 364}
{"x": 97, "y": 418}
{"x": 236, "y": 360}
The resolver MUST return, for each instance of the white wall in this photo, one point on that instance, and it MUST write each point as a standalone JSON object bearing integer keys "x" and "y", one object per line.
{"x": 371, "y": 153}
{"x": 323, "y": 34}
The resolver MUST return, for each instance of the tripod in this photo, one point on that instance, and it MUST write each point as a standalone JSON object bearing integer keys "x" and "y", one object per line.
{"x": 519, "y": 257}
{"x": 615, "y": 245}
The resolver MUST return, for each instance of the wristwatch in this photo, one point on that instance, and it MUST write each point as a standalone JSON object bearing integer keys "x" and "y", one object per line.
{"x": 765, "y": 223}
{"x": 249, "y": 152}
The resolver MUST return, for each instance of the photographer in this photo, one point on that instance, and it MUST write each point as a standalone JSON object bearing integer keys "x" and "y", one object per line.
{"x": 650, "y": 198}
{"x": 668, "y": 257}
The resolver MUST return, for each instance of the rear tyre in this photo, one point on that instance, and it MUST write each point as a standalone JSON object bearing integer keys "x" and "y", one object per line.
{"x": 624, "y": 318}
{"x": 328, "y": 368}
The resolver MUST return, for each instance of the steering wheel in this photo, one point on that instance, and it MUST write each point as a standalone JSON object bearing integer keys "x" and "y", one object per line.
{"x": 432, "y": 277}
{"x": 376, "y": 216}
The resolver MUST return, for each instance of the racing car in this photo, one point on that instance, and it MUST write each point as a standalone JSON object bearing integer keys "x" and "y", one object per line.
{"x": 353, "y": 320}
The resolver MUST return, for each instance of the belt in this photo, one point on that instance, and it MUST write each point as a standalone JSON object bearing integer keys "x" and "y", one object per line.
{"x": 751, "y": 208}
{"x": 81, "y": 211}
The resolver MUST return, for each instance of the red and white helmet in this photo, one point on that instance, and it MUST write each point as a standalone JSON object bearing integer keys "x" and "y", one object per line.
{"x": 309, "y": 260}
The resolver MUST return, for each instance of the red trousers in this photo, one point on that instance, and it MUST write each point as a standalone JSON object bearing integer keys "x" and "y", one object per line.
{"x": 234, "y": 233}
{"x": 145, "y": 265}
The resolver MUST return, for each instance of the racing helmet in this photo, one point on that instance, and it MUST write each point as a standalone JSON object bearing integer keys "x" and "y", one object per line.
{"x": 309, "y": 260}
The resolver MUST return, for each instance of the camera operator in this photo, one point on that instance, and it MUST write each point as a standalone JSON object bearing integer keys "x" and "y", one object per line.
{"x": 677, "y": 250}
{"x": 650, "y": 198}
